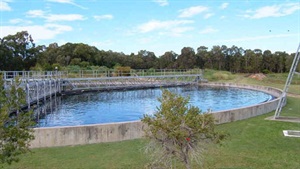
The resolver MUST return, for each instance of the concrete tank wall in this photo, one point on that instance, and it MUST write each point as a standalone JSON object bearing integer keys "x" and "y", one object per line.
{"x": 250, "y": 111}
{"x": 88, "y": 134}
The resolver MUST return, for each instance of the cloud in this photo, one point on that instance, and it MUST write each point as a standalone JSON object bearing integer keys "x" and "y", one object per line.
{"x": 178, "y": 31}
{"x": 161, "y": 2}
{"x": 208, "y": 15}
{"x": 255, "y": 38}
{"x": 38, "y": 32}
{"x": 192, "y": 11}
{"x": 224, "y": 5}
{"x": 208, "y": 30}
{"x": 53, "y": 17}
{"x": 35, "y": 13}
{"x": 103, "y": 17}
{"x": 71, "y": 2}
{"x": 272, "y": 11}
{"x": 64, "y": 17}
{"x": 4, "y": 6}
{"x": 156, "y": 25}
{"x": 20, "y": 21}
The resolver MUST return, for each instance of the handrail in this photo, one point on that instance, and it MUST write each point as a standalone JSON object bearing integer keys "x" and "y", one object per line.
{"x": 95, "y": 73}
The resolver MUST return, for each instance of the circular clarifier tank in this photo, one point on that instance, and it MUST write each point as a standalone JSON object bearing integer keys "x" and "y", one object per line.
{"x": 130, "y": 105}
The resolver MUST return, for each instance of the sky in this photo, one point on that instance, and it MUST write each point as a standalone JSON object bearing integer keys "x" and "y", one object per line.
{"x": 158, "y": 26}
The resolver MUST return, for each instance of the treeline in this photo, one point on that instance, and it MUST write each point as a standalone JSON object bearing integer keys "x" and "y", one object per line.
{"x": 18, "y": 52}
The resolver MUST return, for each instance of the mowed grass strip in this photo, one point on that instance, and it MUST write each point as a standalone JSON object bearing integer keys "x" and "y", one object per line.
{"x": 125, "y": 154}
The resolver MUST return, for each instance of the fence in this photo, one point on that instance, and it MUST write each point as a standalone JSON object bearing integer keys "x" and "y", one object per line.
{"x": 7, "y": 75}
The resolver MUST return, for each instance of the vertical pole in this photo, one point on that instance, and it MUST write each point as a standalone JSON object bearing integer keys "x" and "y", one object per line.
{"x": 59, "y": 90}
{"x": 37, "y": 92}
{"x": 50, "y": 88}
{"x": 28, "y": 97}
{"x": 55, "y": 87}
{"x": 45, "y": 95}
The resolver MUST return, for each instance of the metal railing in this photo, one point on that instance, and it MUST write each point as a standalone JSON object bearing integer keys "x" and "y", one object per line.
{"x": 7, "y": 75}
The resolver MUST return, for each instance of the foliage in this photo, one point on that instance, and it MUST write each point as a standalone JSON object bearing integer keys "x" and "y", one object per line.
{"x": 15, "y": 133}
{"x": 222, "y": 75}
{"x": 178, "y": 131}
{"x": 18, "y": 52}
{"x": 122, "y": 71}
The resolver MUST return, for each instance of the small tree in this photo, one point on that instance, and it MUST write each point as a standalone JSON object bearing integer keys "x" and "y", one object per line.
{"x": 15, "y": 132}
{"x": 178, "y": 131}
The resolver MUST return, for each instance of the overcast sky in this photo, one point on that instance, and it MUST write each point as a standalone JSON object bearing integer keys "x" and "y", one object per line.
{"x": 156, "y": 25}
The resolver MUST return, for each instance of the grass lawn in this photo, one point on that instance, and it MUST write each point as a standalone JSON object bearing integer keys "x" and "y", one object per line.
{"x": 253, "y": 143}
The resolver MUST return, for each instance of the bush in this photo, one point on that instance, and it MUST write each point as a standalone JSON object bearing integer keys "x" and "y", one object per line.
{"x": 122, "y": 71}
{"x": 222, "y": 75}
{"x": 178, "y": 131}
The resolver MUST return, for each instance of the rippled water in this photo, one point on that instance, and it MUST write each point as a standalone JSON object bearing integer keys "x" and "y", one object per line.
{"x": 119, "y": 106}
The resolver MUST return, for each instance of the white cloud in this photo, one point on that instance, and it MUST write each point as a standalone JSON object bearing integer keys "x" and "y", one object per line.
{"x": 103, "y": 17}
{"x": 208, "y": 15}
{"x": 208, "y": 30}
{"x": 4, "y": 6}
{"x": 222, "y": 17}
{"x": 38, "y": 32}
{"x": 273, "y": 11}
{"x": 64, "y": 17}
{"x": 161, "y": 2}
{"x": 71, "y": 2}
{"x": 20, "y": 21}
{"x": 35, "y": 13}
{"x": 156, "y": 25}
{"x": 192, "y": 11}
{"x": 53, "y": 17}
{"x": 224, "y": 5}
{"x": 178, "y": 31}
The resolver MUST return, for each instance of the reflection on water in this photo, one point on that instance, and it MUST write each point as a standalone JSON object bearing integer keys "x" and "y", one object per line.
{"x": 119, "y": 106}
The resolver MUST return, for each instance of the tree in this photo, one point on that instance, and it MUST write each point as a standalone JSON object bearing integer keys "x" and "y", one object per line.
{"x": 179, "y": 131}
{"x": 218, "y": 57}
{"x": 15, "y": 131}
{"x": 201, "y": 55}
{"x": 19, "y": 50}
{"x": 187, "y": 59}
{"x": 166, "y": 61}
{"x": 149, "y": 59}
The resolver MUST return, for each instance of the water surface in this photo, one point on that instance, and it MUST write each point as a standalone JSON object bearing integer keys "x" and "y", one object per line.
{"x": 120, "y": 106}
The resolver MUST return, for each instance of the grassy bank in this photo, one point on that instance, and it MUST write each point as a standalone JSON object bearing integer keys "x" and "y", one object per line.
{"x": 273, "y": 80}
{"x": 253, "y": 143}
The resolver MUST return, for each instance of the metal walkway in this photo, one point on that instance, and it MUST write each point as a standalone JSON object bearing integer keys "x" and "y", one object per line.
{"x": 107, "y": 83}
{"x": 41, "y": 85}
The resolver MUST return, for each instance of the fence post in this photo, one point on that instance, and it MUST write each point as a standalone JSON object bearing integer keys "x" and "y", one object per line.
{"x": 44, "y": 91}
{"x": 37, "y": 92}
{"x": 27, "y": 93}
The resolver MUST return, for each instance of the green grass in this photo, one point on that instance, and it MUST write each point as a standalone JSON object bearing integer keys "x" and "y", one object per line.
{"x": 126, "y": 154}
{"x": 253, "y": 143}
{"x": 273, "y": 80}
